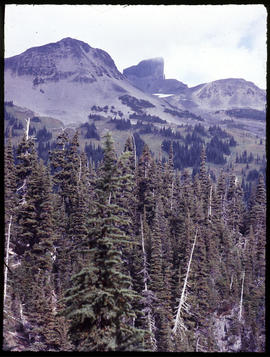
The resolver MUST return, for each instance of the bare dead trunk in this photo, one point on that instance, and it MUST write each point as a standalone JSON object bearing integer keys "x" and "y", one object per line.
{"x": 178, "y": 323}
{"x": 7, "y": 259}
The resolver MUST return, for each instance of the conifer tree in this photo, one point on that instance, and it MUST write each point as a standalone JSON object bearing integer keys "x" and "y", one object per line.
{"x": 9, "y": 299}
{"x": 144, "y": 180}
{"x": 204, "y": 183}
{"x": 35, "y": 280}
{"x": 256, "y": 253}
{"x": 234, "y": 205}
{"x": 9, "y": 181}
{"x": 126, "y": 198}
{"x": 141, "y": 280}
{"x": 99, "y": 303}
{"x": 169, "y": 184}
{"x": 26, "y": 215}
{"x": 67, "y": 168}
{"x": 58, "y": 162}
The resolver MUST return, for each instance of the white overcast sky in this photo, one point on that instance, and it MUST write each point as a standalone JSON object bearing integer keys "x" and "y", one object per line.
{"x": 199, "y": 43}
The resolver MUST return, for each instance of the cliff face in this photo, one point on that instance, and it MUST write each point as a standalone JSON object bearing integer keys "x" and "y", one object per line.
{"x": 152, "y": 68}
{"x": 148, "y": 75}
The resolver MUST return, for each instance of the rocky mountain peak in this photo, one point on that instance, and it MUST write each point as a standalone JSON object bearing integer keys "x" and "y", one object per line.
{"x": 153, "y": 68}
{"x": 148, "y": 75}
{"x": 229, "y": 93}
{"x": 63, "y": 59}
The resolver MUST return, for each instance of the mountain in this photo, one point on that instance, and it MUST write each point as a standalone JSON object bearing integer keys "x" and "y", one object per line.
{"x": 68, "y": 78}
{"x": 225, "y": 94}
{"x": 224, "y": 99}
{"x": 234, "y": 101}
{"x": 148, "y": 75}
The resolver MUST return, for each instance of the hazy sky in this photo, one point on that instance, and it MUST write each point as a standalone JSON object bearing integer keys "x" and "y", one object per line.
{"x": 199, "y": 43}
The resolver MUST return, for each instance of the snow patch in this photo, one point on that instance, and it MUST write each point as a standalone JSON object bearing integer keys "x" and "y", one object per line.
{"x": 162, "y": 95}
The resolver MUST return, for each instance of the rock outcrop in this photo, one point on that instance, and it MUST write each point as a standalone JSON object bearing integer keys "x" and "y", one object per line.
{"x": 148, "y": 75}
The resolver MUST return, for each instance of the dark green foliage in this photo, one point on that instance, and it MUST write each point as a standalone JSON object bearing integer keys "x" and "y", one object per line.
{"x": 139, "y": 144}
{"x": 10, "y": 179}
{"x": 135, "y": 104}
{"x": 100, "y": 302}
{"x": 184, "y": 156}
{"x": 94, "y": 154}
{"x": 188, "y": 153}
{"x": 26, "y": 154}
{"x": 147, "y": 117}
{"x": 11, "y": 123}
{"x": 90, "y": 131}
{"x": 247, "y": 114}
{"x": 35, "y": 120}
{"x": 183, "y": 114}
{"x": 34, "y": 276}
{"x": 216, "y": 149}
{"x": 44, "y": 149}
{"x": 57, "y": 162}
{"x": 99, "y": 256}
{"x": 94, "y": 117}
{"x": 252, "y": 175}
{"x": 43, "y": 135}
{"x": 216, "y": 130}
{"x": 244, "y": 158}
{"x": 121, "y": 124}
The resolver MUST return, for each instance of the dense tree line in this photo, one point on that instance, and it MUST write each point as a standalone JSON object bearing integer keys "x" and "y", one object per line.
{"x": 130, "y": 255}
{"x": 183, "y": 114}
{"x": 135, "y": 104}
{"x": 148, "y": 118}
{"x": 187, "y": 152}
{"x": 89, "y": 131}
{"x": 12, "y": 124}
{"x": 121, "y": 124}
{"x": 247, "y": 113}
{"x": 244, "y": 158}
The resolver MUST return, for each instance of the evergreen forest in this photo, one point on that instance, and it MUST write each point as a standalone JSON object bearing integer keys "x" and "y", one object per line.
{"x": 130, "y": 254}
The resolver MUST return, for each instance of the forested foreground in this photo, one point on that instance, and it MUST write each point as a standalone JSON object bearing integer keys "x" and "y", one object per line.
{"x": 130, "y": 255}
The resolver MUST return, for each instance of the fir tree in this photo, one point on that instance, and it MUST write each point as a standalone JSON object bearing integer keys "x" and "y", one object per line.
{"x": 100, "y": 302}
{"x": 145, "y": 176}
{"x": 9, "y": 299}
{"x": 35, "y": 280}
